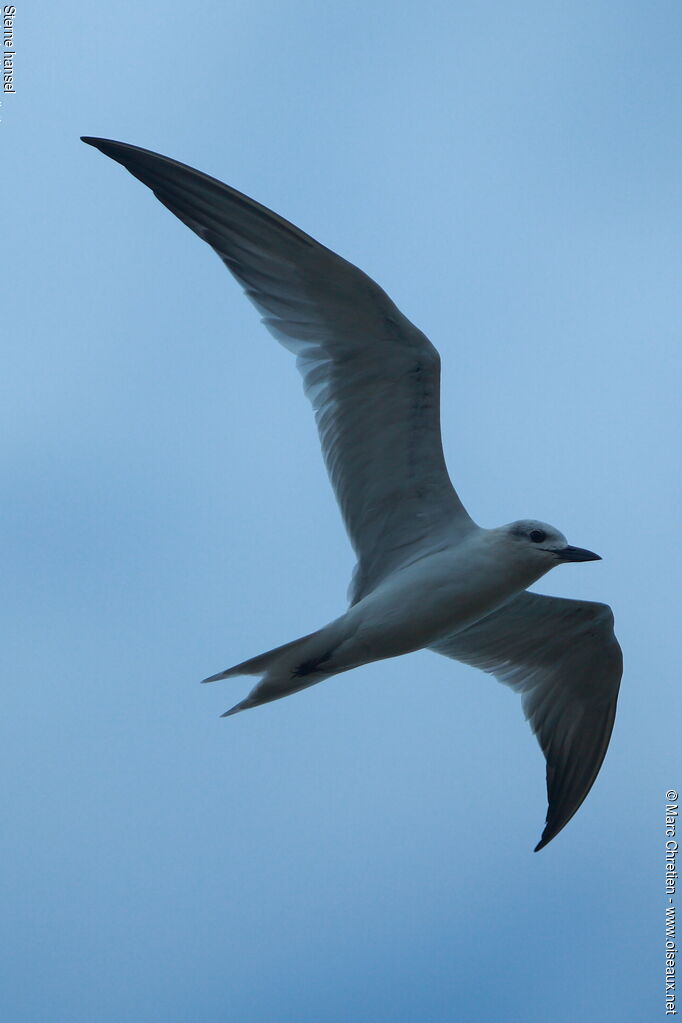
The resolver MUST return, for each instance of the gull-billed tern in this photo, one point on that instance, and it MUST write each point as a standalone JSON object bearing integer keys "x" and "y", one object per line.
{"x": 427, "y": 575}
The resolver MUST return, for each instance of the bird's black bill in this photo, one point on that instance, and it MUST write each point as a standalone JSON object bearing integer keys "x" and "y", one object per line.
{"x": 577, "y": 554}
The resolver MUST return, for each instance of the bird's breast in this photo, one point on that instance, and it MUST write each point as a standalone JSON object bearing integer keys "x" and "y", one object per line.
{"x": 433, "y": 597}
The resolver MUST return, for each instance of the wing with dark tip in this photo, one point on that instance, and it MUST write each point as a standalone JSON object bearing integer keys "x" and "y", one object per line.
{"x": 373, "y": 378}
{"x": 563, "y": 657}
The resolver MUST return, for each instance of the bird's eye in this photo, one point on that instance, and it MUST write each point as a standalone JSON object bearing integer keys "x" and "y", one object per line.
{"x": 537, "y": 535}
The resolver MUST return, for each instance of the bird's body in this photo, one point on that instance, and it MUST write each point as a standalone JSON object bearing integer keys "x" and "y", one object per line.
{"x": 440, "y": 594}
{"x": 427, "y": 574}
{"x": 414, "y": 607}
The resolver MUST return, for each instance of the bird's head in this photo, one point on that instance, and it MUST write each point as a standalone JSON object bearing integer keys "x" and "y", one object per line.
{"x": 542, "y": 545}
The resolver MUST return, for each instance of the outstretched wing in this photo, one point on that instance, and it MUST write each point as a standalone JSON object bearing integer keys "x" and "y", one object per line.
{"x": 563, "y": 657}
{"x": 373, "y": 378}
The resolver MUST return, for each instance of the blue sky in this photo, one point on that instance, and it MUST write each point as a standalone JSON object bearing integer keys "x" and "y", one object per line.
{"x": 510, "y": 174}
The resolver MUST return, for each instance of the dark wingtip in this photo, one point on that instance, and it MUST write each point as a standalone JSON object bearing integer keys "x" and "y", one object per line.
{"x": 110, "y": 147}
{"x": 551, "y": 830}
{"x": 116, "y": 150}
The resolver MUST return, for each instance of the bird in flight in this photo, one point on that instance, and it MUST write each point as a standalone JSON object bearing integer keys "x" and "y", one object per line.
{"x": 427, "y": 576}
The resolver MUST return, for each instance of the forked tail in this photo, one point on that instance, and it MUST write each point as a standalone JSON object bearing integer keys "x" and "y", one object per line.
{"x": 287, "y": 669}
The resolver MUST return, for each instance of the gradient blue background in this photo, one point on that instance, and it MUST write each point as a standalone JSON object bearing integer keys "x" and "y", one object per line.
{"x": 510, "y": 173}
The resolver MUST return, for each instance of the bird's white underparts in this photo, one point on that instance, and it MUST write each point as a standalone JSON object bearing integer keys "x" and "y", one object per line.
{"x": 427, "y": 575}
